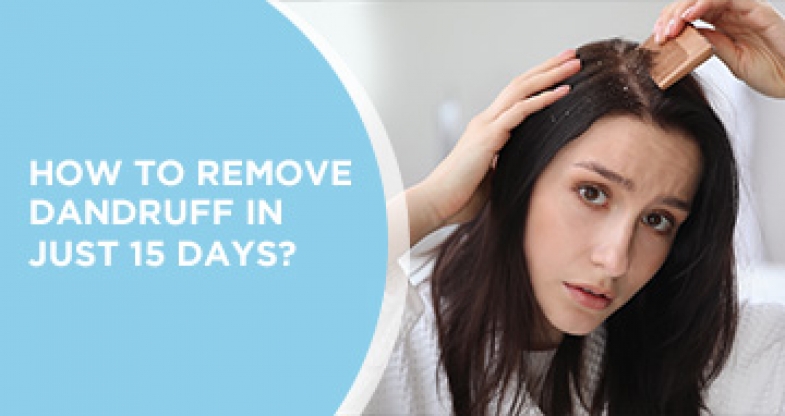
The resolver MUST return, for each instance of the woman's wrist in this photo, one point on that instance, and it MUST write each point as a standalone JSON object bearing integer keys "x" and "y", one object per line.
{"x": 424, "y": 218}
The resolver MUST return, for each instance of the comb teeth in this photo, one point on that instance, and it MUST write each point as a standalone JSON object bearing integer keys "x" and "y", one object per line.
{"x": 678, "y": 56}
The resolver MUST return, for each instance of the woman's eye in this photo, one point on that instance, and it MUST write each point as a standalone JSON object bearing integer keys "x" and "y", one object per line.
{"x": 593, "y": 195}
{"x": 659, "y": 222}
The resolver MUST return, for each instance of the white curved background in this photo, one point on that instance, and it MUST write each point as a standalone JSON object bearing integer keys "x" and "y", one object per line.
{"x": 396, "y": 286}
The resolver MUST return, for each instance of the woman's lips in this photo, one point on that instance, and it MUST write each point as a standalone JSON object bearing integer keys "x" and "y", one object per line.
{"x": 584, "y": 296}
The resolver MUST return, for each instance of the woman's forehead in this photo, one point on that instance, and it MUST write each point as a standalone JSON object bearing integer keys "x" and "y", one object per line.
{"x": 637, "y": 150}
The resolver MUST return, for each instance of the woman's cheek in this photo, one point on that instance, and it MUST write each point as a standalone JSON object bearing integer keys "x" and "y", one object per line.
{"x": 577, "y": 214}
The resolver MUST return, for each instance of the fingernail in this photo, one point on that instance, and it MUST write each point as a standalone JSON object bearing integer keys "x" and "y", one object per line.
{"x": 669, "y": 29}
{"x": 657, "y": 27}
{"x": 687, "y": 15}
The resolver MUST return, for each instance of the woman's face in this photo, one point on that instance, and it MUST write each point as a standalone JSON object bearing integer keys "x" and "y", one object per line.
{"x": 602, "y": 218}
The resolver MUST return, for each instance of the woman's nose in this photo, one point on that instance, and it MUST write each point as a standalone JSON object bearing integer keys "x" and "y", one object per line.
{"x": 613, "y": 248}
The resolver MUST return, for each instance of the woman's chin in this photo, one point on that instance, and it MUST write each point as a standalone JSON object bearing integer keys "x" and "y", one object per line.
{"x": 578, "y": 329}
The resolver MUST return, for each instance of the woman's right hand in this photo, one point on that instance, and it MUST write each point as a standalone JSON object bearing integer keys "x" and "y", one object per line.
{"x": 458, "y": 188}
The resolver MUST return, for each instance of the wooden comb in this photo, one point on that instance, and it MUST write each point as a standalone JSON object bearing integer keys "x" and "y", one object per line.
{"x": 678, "y": 56}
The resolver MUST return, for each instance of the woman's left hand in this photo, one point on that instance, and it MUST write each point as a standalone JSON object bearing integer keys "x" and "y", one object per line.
{"x": 748, "y": 35}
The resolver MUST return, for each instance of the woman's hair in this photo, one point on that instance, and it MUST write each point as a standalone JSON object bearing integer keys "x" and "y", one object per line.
{"x": 668, "y": 342}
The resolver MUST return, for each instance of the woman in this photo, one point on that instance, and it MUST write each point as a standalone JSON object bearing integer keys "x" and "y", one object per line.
{"x": 594, "y": 191}
{"x": 593, "y": 268}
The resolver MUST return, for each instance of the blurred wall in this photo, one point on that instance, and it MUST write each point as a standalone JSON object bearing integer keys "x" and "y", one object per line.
{"x": 429, "y": 66}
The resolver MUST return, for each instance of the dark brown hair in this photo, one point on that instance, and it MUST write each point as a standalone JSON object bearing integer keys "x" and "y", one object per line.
{"x": 664, "y": 346}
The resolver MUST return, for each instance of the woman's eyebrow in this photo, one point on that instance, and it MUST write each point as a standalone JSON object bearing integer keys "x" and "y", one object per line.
{"x": 677, "y": 203}
{"x": 629, "y": 184}
{"x": 608, "y": 174}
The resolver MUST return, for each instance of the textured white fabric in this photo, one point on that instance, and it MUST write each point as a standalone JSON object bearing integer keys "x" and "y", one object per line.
{"x": 752, "y": 382}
